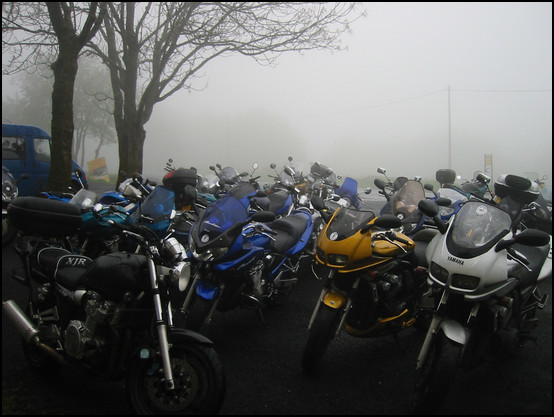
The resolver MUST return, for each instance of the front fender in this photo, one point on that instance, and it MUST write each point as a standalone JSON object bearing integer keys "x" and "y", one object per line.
{"x": 334, "y": 300}
{"x": 179, "y": 335}
{"x": 454, "y": 331}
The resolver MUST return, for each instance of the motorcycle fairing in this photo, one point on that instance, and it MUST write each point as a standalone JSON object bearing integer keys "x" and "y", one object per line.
{"x": 349, "y": 189}
{"x": 207, "y": 289}
{"x": 477, "y": 227}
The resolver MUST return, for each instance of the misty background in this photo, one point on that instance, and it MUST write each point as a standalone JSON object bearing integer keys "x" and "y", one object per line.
{"x": 417, "y": 80}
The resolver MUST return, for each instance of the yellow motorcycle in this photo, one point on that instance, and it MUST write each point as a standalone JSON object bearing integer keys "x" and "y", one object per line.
{"x": 373, "y": 282}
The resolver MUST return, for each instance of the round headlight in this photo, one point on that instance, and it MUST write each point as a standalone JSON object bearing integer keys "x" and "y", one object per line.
{"x": 182, "y": 275}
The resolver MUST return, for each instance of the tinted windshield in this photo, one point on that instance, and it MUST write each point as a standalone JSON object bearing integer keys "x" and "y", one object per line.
{"x": 221, "y": 215}
{"x": 451, "y": 194}
{"x": 228, "y": 175}
{"x": 347, "y": 222}
{"x": 404, "y": 202}
{"x": 477, "y": 225}
{"x": 158, "y": 204}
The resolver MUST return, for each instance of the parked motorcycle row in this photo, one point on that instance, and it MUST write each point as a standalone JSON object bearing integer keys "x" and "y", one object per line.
{"x": 125, "y": 284}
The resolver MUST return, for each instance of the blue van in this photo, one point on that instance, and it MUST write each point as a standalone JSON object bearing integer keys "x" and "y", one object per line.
{"x": 26, "y": 149}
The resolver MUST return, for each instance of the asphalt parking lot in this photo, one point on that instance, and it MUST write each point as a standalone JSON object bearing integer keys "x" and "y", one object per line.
{"x": 264, "y": 376}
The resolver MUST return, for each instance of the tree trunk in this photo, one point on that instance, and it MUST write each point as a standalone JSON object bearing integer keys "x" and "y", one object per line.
{"x": 65, "y": 71}
{"x": 131, "y": 146}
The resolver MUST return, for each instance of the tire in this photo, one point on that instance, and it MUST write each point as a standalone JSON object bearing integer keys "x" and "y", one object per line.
{"x": 435, "y": 377}
{"x": 198, "y": 311}
{"x": 199, "y": 383}
{"x": 321, "y": 334}
{"x": 8, "y": 231}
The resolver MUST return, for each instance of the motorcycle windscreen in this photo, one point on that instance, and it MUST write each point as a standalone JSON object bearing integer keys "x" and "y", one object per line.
{"x": 219, "y": 217}
{"x": 404, "y": 202}
{"x": 476, "y": 228}
{"x": 156, "y": 208}
{"x": 347, "y": 222}
{"x": 349, "y": 189}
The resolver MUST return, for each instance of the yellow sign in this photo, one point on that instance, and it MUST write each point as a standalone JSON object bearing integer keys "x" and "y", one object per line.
{"x": 98, "y": 170}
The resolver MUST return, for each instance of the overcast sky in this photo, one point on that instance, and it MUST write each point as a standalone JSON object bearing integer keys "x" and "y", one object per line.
{"x": 383, "y": 102}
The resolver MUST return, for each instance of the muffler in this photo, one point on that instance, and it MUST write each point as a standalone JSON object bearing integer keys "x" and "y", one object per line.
{"x": 26, "y": 328}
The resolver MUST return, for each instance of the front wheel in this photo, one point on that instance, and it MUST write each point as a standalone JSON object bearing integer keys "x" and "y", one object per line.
{"x": 197, "y": 313}
{"x": 435, "y": 376}
{"x": 321, "y": 334}
{"x": 199, "y": 383}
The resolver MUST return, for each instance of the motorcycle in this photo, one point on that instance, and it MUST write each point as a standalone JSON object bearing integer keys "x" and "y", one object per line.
{"x": 486, "y": 273}
{"x": 538, "y": 213}
{"x": 243, "y": 258}
{"x": 372, "y": 284}
{"x": 404, "y": 204}
{"x": 112, "y": 315}
{"x": 9, "y": 193}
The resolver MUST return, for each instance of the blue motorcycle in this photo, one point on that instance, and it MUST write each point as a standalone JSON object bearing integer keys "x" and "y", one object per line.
{"x": 242, "y": 257}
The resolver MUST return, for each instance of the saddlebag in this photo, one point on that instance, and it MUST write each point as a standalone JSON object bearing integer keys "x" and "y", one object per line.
{"x": 44, "y": 217}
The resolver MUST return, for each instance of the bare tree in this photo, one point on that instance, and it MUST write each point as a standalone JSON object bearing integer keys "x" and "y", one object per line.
{"x": 156, "y": 49}
{"x": 32, "y": 32}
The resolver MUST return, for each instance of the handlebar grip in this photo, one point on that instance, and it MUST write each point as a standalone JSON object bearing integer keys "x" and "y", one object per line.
{"x": 401, "y": 240}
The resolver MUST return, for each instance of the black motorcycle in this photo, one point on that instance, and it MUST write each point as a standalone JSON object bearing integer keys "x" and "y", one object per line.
{"x": 111, "y": 315}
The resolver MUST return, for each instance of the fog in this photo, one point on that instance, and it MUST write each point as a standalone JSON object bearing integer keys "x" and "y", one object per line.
{"x": 384, "y": 101}
{"x": 422, "y": 86}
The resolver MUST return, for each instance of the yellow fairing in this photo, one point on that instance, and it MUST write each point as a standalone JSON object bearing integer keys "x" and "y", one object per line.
{"x": 361, "y": 249}
{"x": 334, "y": 299}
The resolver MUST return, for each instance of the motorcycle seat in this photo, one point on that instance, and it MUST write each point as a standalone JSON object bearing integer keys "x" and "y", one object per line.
{"x": 536, "y": 255}
{"x": 63, "y": 266}
{"x": 288, "y": 230}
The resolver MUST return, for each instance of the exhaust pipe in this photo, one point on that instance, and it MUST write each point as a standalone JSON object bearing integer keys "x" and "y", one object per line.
{"x": 26, "y": 328}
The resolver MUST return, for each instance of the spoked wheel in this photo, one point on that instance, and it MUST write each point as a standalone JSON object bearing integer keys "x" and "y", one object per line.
{"x": 199, "y": 383}
{"x": 434, "y": 378}
{"x": 321, "y": 334}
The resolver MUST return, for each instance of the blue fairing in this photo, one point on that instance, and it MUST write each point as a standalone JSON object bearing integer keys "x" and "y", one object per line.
{"x": 349, "y": 189}
{"x": 207, "y": 289}
{"x": 157, "y": 208}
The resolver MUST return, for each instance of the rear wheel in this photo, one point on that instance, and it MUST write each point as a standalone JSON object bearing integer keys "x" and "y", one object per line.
{"x": 434, "y": 378}
{"x": 321, "y": 334}
{"x": 199, "y": 383}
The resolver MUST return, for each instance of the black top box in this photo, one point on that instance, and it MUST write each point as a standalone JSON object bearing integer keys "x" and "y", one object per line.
{"x": 44, "y": 217}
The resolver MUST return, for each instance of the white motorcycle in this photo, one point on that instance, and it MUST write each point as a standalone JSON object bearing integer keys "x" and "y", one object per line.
{"x": 486, "y": 272}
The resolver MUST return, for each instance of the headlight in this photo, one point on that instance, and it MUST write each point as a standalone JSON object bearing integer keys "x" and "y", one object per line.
{"x": 439, "y": 273}
{"x": 465, "y": 282}
{"x": 175, "y": 249}
{"x": 181, "y": 276}
{"x": 339, "y": 260}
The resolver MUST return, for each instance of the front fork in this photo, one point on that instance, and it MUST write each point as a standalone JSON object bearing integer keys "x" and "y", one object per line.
{"x": 334, "y": 300}
{"x": 453, "y": 330}
{"x": 161, "y": 326}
